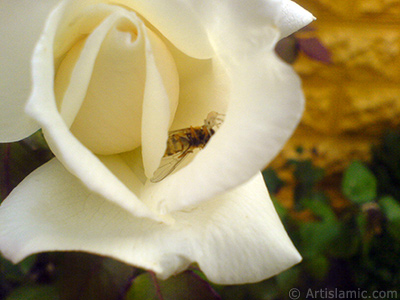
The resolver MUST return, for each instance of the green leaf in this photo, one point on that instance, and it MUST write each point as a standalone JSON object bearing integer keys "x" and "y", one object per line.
{"x": 11, "y": 271}
{"x": 234, "y": 292}
{"x": 359, "y": 183}
{"x": 347, "y": 242}
{"x": 83, "y": 276}
{"x": 391, "y": 209}
{"x": 14, "y": 275}
{"x": 266, "y": 289}
{"x": 316, "y": 236}
{"x": 318, "y": 267}
{"x": 362, "y": 223}
{"x": 27, "y": 264}
{"x": 320, "y": 209}
{"x": 306, "y": 173}
{"x": 307, "y": 176}
{"x": 185, "y": 286}
{"x": 386, "y": 164}
{"x": 35, "y": 292}
{"x": 272, "y": 180}
{"x": 20, "y": 159}
{"x": 280, "y": 209}
{"x": 142, "y": 288}
{"x": 288, "y": 279}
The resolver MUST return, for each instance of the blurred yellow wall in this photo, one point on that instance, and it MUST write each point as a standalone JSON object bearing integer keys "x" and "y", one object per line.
{"x": 353, "y": 100}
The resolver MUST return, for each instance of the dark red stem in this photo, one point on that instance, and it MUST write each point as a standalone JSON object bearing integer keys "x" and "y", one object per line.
{"x": 6, "y": 167}
{"x": 156, "y": 285}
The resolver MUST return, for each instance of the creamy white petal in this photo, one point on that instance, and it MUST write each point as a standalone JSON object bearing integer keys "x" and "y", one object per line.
{"x": 82, "y": 73}
{"x": 204, "y": 87}
{"x": 123, "y": 170}
{"x": 242, "y": 238}
{"x": 292, "y": 17}
{"x": 241, "y": 24}
{"x": 52, "y": 210}
{"x": 166, "y": 16}
{"x": 110, "y": 118}
{"x": 21, "y": 23}
{"x": 266, "y": 105}
{"x": 177, "y": 21}
{"x": 158, "y": 108}
{"x": 236, "y": 238}
{"x": 78, "y": 159}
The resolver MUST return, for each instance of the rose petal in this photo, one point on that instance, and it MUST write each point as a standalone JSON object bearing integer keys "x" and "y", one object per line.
{"x": 21, "y": 22}
{"x": 243, "y": 237}
{"x": 204, "y": 87}
{"x": 236, "y": 238}
{"x": 109, "y": 120}
{"x": 120, "y": 168}
{"x": 292, "y": 17}
{"x": 77, "y": 87}
{"x": 251, "y": 21}
{"x": 159, "y": 102}
{"x": 205, "y": 83}
{"x": 108, "y": 81}
{"x": 265, "y": 106}
{"x": 167, "y": 17}
{"x": 78, "y": 159}
{"x": 177, "y": 21}
{"x": 59, "y": 212}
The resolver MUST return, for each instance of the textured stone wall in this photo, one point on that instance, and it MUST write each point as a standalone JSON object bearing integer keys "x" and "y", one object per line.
{"x": 353, "y": 100}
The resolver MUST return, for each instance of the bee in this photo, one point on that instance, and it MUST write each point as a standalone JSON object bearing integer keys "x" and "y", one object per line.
{"x": 184, "y": 141}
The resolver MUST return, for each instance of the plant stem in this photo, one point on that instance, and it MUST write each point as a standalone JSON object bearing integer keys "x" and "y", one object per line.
{"x": 125, "y": 289}
{"x": 6, "y": 167}
{"x": 156, "y": 285}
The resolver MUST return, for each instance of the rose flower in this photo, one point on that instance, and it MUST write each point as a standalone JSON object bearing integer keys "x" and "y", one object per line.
{"x": 106, "y": 81}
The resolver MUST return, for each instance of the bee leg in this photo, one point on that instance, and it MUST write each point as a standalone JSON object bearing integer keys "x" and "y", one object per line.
{"x": 185, "y": 153}
{"x": 193, "y": 133}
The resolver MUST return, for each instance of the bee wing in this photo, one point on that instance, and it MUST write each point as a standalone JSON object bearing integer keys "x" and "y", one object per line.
{"x": 168, "y": 165}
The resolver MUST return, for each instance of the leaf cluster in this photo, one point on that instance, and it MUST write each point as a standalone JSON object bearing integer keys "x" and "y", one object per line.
{"x": 357, "y": 245}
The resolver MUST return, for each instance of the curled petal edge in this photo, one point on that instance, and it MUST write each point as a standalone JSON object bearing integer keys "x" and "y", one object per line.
{"x": 235, "y": 238}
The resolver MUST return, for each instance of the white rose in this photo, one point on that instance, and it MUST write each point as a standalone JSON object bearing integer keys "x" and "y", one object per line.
{"x": 109, "y": 80}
